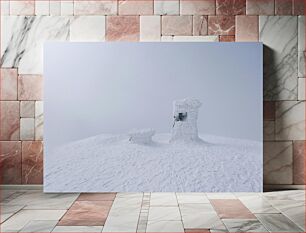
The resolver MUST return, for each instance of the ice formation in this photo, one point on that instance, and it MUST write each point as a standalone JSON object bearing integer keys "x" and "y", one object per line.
{"x": 185, "y": 115}
{"x": 143, "y": 136}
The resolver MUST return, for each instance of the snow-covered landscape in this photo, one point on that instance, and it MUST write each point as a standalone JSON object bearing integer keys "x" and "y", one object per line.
{"x": 113, "y": 163}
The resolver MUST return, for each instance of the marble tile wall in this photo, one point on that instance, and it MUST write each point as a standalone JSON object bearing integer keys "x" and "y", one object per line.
{"x": 27, "y": 24}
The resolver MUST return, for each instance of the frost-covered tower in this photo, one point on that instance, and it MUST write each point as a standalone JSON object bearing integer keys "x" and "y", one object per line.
{"x": 185, "y": 113}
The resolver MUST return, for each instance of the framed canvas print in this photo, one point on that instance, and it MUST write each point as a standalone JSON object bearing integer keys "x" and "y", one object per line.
{"x": 153, "y": 117}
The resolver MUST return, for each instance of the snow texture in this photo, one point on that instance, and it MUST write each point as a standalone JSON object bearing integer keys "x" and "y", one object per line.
{"x": 112, "y": 163}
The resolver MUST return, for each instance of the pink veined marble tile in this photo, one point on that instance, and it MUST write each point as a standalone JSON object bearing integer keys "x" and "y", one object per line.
{"x": 299, "y": 162}
{"x": 231, "y": 209}
{"x": 135, "y": 7}
{"x": 298, "y": 7}
{"x": 197, "y": 7}
{"x": 104, "y": 7}
{"x": 96, "y": 197}
{"x": 177, "y": 25}
{"x": 247, "y": 28}
{"x": 10, "y": 162}
{"x": 9, "y": 120}
{"x": 200, "y": 25}
{"x": 86, "y": 213}
{"x": 8, "y": 84}
{"x": 221, "y": 25}
{"x": 230, "y": 7}
{"x": 30, "y": 87}
{"x": 269, "y": 110}
{"x": 227, "y": 38}
{"x": 122, "y": 28}
{"x": 21, "y": 7}
{"x": 283, "y": 7}
{"x": 32, "y": 162}
{"x": 260, "y": 7}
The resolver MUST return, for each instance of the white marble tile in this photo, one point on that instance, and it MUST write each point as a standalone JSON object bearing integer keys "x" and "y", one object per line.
{"x": 269, "y": 130}
{"x": 20, "y": 219}
{"x": 164, "y": 213}
{"x": 301, "y": 46}
{"x": 38, "y": 200}
{"x": 106, "y": 7}
{"x": 23, "y": 37}
{"x": 190, "y": 209}
{"x": 301, "y": 89}
{"x": 87, "y": 28}
{"x": 66, "y": 7}
{"x": 201, "y": 221}
{"x": 164, "y": 7}
{"x": 279, "y": 35}
{"x": 165, "y": 226}
{"x": 205, "y": 217}
{"x": 278, "y": 163}
{"x": 124, "y": 214}
{"x": 221, "y": 196}
{"x": 240, "y": 225}
{"x": 8, "y": 210}
{"x": 192, "y": 198}
{"x": 290, "y": 120}
{"x": 5, "y": 7}
{"x": 27, "y": 108}
{"x": 277, "y": 223}
{"x": 22, "y": 7}
{"x": 294, "y": 195}
{"x": 150, "y": 28}
{"x": 84, "y": 229}
{"x": 39, "y": 226}
{"x": 55, "y": 8}
{"x": 190, "y": 38}
{"x": 258, "y": 205}
{"x": 42, "y": 7}
{"x": 39, "y": 120}
{"x": 27, "y": 129}
{"x": 294, "y": 210}
{"x": 163, "y": 199}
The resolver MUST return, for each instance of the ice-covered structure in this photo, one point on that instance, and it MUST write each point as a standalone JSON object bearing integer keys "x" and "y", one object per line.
{"x": 143, "y": 136}
{"x": 185, "y": 113}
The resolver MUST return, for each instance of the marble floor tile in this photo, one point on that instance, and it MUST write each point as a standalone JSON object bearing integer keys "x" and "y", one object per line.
{"x": 165, "y": 226}
{"x": 278, "y": 223}
{"x": 20, "y": 219}
{"x": 74, "y": 229}
{"x": 220, "y": 196}
{"x": 200, "y": 220}
{"x": 237, "y": 225}
{"x": 232, "y": 209}
{"x": 190, "y": 209}
{"x": 301, "y": 46}
{"x": 35, "y": 199}
{"x": 294, "y": 210}
{"x": 124, "y": 214}
{"x": 9, "y": 210}
{"x": 192, "y": 198}
{"x": 39, "y": 226}
{"x": 96, "y": 197}
{"x": 296, "y": 195}
{"x": 197, "y": 230}
{"x": 258, "y": 205}
{"x": 162, "y": 213}
{"x": 163, "y": 199}
{"x": 86, "y": 213}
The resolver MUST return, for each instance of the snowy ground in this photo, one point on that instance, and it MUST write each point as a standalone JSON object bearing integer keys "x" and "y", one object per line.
{"x": 113, "y": 164}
